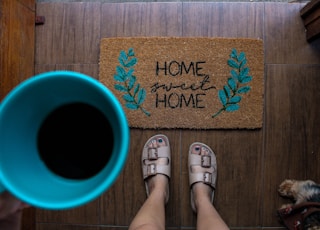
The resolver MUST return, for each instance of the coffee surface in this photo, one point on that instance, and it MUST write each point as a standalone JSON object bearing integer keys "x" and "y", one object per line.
{"x": 75, "y": 141}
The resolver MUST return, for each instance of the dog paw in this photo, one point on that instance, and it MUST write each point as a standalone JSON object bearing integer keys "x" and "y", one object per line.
{"x": 285, "y": 188}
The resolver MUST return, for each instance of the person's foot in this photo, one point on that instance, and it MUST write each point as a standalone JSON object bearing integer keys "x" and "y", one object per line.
{"x": 201, "y": 193}
{"x": 159, "y": 184}
{"x": 202, "y": 174}
{"x": 156, "y": 161}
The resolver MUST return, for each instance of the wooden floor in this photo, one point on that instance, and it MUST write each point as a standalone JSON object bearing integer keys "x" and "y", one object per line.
{"x": 251, "y": 163}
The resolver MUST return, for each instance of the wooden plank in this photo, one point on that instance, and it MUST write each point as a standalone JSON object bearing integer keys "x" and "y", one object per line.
{"x": 16, "y": 44}
{"x": 292, "y": 131}
{"x": 284, "y": 33}
{"x": 31, "y": 4}
{"x": 71, "y": 33}
{"x": 141, "y": 19}
{"x": 91, "y": 70}
{"x": 28, "y": 221}
{"x": 67, "y": 227}
{"x": 222, "y": 19}
{"x": 17, "y": 58}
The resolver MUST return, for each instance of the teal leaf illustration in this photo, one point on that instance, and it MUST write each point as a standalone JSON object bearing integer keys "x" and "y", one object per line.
{"x": 120, "y": 88}
{"x": 130, "y": 72}
{"x": 136, "y": 89}
{"x": 128, "y": 98}
{"x": 134, "y": 95}
{"x": 230, "y": 96}
{"x": 122, "y": 58}
{"x": 244, "y": 89}
{"x": 232, "y": 84}
{"x": 121, "y": 72}
{"x": 233, "y": 64}
{"x": 244, "y": 73}
{"x": 241, "y": 57}
{"x": 234, "y": 74}
{"x": 246, "y": 79}
{"x": 235, "y": 99}
{"x": 130, "y": 52}
{"x": 132, "y": 106}
{"x": 118, "y": 78}
{"x": 227, "y": 91}
{"x": 132, "y": 62}
{"x": 243, "y": 63}
{"x": 141, "y": 96}
{"x": 233, "y": 54}
{"x": 132, "y": 81}
{"x": 232, "y": 107}
{"x": 222, "y": 97}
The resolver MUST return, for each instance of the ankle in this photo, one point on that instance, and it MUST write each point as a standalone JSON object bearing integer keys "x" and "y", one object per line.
{"x": 158, "y": 186}
{"x": 201, "y": 194}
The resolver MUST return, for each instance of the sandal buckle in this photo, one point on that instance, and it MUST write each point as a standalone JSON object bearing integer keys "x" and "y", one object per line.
{"x": 151, "y": 169}
{"x": 207, "y": 178}
{"x": 152, "y": 154}
{"x": 205, "y": 161}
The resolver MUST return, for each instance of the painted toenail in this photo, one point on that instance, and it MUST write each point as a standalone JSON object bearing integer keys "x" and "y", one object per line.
{"x": 160, "y": 140}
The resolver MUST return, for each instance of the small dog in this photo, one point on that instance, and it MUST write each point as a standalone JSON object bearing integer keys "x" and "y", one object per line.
{"x": 305, "y": 194}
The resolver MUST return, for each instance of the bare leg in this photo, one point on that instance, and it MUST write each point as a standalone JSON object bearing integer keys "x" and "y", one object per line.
{"x": 201, "y": 191}
{"x": 207, "y": 216}
{"x": 151, "y": 215}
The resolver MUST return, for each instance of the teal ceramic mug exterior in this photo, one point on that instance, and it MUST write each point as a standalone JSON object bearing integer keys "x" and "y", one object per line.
{"x": 22, "y": 111}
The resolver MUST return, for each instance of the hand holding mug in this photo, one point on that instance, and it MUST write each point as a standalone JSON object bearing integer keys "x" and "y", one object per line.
{"x": 10, "y": 211}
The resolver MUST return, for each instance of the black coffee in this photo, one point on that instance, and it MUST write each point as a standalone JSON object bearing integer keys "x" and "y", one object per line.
{"x": 75, "y": 141}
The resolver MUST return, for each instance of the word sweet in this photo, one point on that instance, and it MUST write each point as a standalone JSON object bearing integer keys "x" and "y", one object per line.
{"x": 203, "y": 85}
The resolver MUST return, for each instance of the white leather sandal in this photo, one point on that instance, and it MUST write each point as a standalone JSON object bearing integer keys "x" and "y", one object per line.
{"x": 202, "y": 168}
{"x": 151, "y": 156}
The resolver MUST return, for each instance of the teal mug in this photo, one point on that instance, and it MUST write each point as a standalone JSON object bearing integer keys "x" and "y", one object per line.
{"x": 64, "y": 140}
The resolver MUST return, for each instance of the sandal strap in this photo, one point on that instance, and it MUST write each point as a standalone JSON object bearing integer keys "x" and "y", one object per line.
{"x": 153, "y": 169}
{"x": 155, "y": 153}
{"x": 204, "y": 177}
{"x": 152, "y": 166}
{"x": 204, "y": 160}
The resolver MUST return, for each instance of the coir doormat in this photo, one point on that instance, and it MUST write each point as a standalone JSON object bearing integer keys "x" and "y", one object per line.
{"x": 196, "y": 83}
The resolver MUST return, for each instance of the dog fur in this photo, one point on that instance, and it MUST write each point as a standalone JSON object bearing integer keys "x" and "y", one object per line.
{"x": 300, "y": 191}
